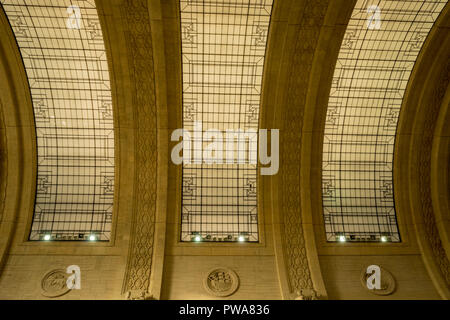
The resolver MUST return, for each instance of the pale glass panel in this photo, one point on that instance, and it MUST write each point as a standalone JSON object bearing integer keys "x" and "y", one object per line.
{"x": 68, "y": 76}
{"x": 223, "y": 51}
{"x": 371, "y": 75}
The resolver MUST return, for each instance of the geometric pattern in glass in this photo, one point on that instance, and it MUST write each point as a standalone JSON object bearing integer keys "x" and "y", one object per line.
{"x": 69, "y": 81}
{"x": 371, "y": 75}
{"x": 223, "y": 54}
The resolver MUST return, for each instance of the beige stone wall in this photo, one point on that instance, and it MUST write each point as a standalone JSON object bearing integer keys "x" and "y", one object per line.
{"x": 342, "y": 275}
{"x": 101, "y": 276}
{"x": 184, "y": 276}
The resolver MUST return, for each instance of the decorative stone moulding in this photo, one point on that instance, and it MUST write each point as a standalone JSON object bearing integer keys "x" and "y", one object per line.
{"x": 221, "y": 282}
{"x": 54, "y": 284}
{"x": 138, "y": 295}
{"x": 388, "y": 284}
{"x": 307, "y": 294}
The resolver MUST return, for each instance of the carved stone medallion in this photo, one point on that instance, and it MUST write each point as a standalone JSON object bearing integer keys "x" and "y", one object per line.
{"x": 54, "y": 284}
{"x": 388, "y": 284}
{"x": 221, "y": 282}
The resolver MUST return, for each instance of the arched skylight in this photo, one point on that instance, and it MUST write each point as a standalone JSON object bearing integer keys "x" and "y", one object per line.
{"x": 223, "y": 50}
{"x": 377, "y": 56}
{"x": 62, "y": 47}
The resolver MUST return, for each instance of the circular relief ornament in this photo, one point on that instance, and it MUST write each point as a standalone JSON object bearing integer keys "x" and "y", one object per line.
{"x": 221, "y": 282}
{"x": 54, "y": 284}
{"x": 388, "y": 284}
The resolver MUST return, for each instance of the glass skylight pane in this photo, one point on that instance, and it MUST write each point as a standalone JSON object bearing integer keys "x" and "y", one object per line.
{"x": 375, "y": 62}
{"x": 62, "y": 47}
{"x": 223, "y": 51}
